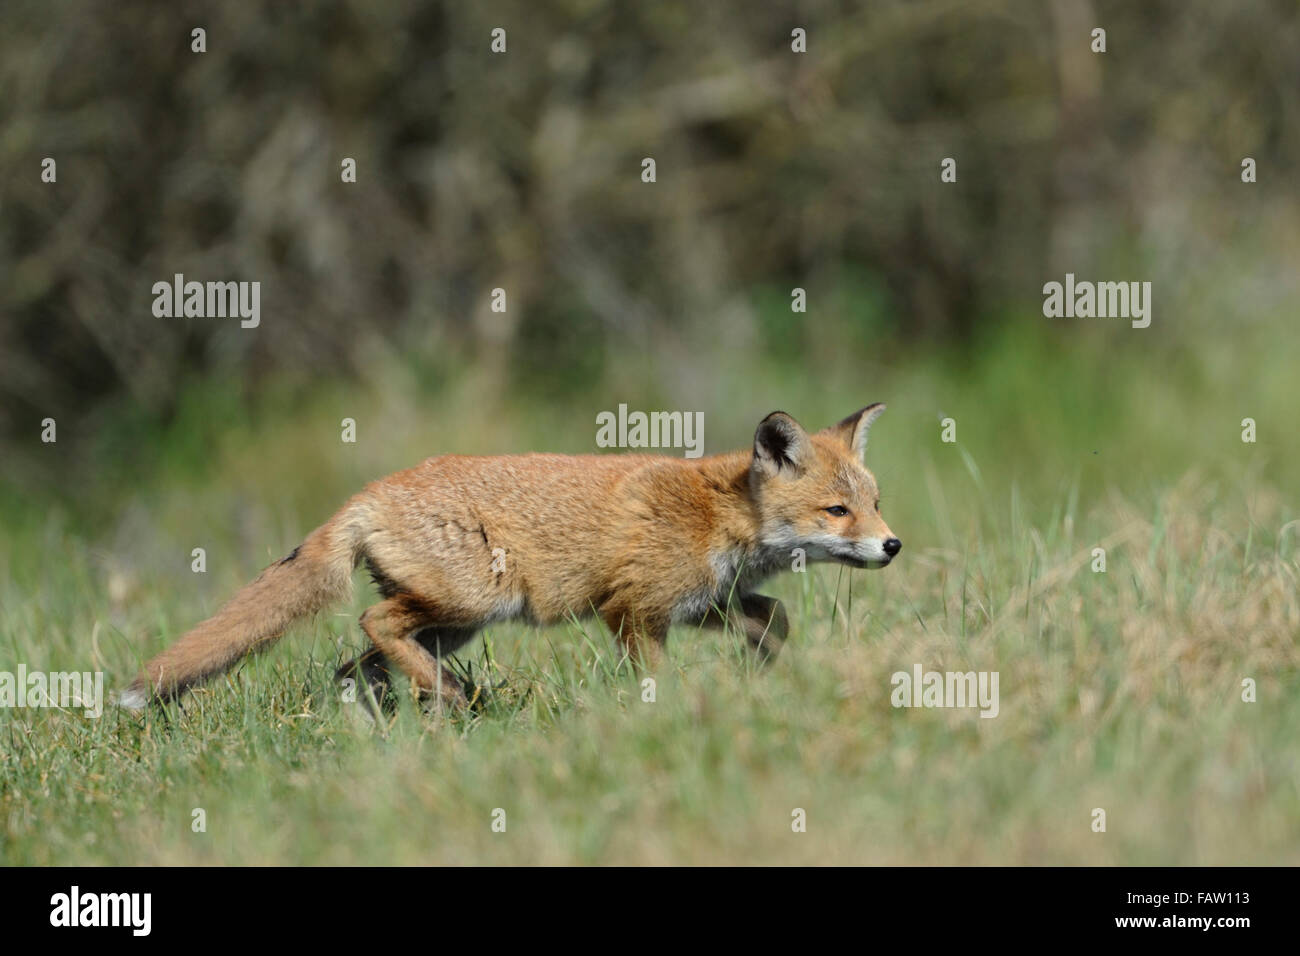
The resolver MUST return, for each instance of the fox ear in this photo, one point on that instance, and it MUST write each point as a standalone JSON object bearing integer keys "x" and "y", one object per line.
{"x": 780, "y": 444}
{"x": 853, "y": 430}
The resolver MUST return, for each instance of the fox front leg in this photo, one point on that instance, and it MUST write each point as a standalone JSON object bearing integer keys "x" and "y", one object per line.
{"x": 761, "y": 619}
{"x": 641, "y": 638}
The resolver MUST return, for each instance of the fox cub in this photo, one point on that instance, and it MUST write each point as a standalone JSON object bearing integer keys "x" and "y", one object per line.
{"x": 644, "y": 541}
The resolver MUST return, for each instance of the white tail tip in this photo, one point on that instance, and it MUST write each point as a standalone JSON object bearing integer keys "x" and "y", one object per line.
{"x": 132, "y": 700}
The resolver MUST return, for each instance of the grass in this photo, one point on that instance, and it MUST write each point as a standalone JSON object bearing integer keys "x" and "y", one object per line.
{"x": 1119, "y": 690}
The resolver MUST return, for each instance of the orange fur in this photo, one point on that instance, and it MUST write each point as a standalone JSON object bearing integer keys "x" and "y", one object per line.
{"x": 643, "y": 541}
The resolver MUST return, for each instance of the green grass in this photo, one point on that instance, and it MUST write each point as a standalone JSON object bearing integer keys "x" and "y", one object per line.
{"x": 1119, "y": 691}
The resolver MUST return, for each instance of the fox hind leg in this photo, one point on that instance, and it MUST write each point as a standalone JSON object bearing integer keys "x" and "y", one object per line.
{"x": 372, "y": 678}
{"x": 372, "y": 671}
{"x": 441, "y": 641}
{"x": 405, "y": 631}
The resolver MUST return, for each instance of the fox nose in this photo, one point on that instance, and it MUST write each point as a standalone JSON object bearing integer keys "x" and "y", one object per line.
{"x": 892, "y": 546}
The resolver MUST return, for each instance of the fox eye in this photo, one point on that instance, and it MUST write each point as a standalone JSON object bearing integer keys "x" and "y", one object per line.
{"x": 877, "y": 507}
{"x": 838, "y": 511}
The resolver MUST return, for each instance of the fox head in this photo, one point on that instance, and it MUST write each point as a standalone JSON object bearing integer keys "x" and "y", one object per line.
{"x": 814, "y": 492}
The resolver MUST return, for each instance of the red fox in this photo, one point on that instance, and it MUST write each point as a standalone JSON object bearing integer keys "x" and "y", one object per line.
{"x": 643, "y": 541}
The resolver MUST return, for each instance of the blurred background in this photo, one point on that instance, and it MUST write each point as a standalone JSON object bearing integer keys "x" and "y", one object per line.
{"x": 522, "y": 171}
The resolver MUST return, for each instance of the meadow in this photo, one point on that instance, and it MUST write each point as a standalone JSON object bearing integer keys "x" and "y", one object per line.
{"x": 1120, "y": 690}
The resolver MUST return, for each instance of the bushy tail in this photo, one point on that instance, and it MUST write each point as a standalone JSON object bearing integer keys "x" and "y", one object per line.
{"x": 316, "y": 574}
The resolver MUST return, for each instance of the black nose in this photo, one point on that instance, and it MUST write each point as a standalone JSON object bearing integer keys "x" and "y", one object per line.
{"x": 892, "y": 546}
